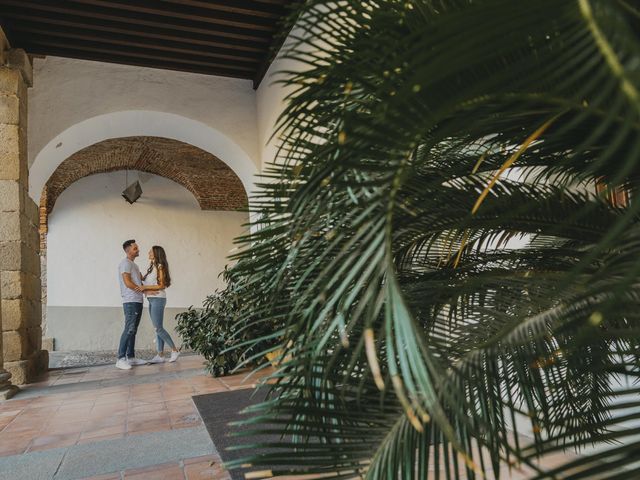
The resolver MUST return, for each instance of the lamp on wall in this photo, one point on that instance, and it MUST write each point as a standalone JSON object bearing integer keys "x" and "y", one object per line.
{"x": 133, "y": 191}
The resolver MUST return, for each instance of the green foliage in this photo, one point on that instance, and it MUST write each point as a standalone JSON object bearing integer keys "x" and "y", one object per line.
{"x": 422, "y": 141}
{"x": 212, "y": 331}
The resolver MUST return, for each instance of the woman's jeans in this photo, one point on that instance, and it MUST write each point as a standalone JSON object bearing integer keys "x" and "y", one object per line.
{"x": 132, "y": 315}
{"x": 156, "y": 311}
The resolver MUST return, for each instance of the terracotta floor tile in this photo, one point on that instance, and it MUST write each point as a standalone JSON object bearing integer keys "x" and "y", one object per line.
{"x": 10, "y": 414}
{"x": 60, "y": 428}
{"x": 145, "y": 404}
{"x": 114, "y": 389}
{"x": 203, "y": 458}
{"x": 82, "y": 409}
{"x": 104, "y": 431}
{"x": 146, "y": 388}
{"x": 15, "y": 404}
{"x": 25, "y": 425}
{"x": 186, "y": 424}
{"x": 108, "y": 476}
{"x": 147, "y": 408}
{"x": 53, "y": 441}
{"x": 183, "y": 402}
{"x": 100, "y": 439}
{"x": 109, "y": 409}
{"x": 148, "y": 426}
{"x": 203, "y": 390}
{"x": 206, "y": 470}
{"x": 13, "y": 447}
{"x": 53, "y": 400}
{"x": 4, "y": 421}
{"x": 106, "y": 421}
{"x": 165, "y": 471}
{"x": 112, "y": 398}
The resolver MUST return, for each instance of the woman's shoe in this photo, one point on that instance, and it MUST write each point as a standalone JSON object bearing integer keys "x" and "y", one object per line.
{"x": 136, "y": 361}
{"x": 174, "y": 356}
{"x": 157, "y": 359}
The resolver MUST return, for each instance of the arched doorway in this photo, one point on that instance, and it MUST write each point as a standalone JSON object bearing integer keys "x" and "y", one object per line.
{"x": 191, "y": 205}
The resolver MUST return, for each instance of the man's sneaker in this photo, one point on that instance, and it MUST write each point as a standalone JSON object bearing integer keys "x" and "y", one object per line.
{"x": 122, "y": 364}
{"x": 157, "y": 359}
{"x": 174, "y": 356}
{"x": 136, "y": 361}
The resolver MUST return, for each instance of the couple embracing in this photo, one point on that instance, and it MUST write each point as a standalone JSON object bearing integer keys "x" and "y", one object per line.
{"x": 133, "y": 288}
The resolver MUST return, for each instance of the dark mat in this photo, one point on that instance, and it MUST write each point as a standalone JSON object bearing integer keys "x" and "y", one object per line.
{"x": 218, "y": 410}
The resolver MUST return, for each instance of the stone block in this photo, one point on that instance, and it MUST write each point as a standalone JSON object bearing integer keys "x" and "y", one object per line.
{"x": 23, "y": 158}
{"x": 10, "y": 255}
{"x": 13, "y": 314}
{"x": 34, "y": 337}
{"x": 31, "y": 289}
{"x": 4, "y": 46}
{"x": 10, "y": 228}
{"x": 11, "y": 284}
{"x": 9, "y": 109}
{"x": 34, "y": 314}
{"x": 28, "y": 370}
{"x": 40, "y": 363}
{"x": 15, "y": 346}
{"x": 15, "y": 255}
{"x": 31, "y": 237}
{"x": 7, "y": 391}
{"x": 48, "y": 343}
{"x": 30, "y": 261}
{"x": 9, "y": 196}
{"x": 31, "y": 209}
{"x": 17, "y": 58}
{"x": 10, "y": 161}
{"x": 10, "y": 80}
{"x": 20, "y": 370}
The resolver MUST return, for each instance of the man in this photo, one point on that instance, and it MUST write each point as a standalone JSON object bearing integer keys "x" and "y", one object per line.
{"x": 132, "y": 299}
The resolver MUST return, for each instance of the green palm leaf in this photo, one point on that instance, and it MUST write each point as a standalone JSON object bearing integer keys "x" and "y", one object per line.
{"x": 432, "y": 255}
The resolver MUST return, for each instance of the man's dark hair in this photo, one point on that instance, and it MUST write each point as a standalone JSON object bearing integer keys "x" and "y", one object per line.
{"x": 127, "y": 244}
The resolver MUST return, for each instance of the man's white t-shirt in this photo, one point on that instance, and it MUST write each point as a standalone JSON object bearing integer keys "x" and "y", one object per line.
{"x": 128, "y": 295}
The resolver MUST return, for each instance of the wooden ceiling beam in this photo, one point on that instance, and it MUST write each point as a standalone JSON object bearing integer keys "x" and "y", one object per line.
{"x": 138, "y": 62}
{"x": 15, "y": 17}
{"x": 23, "y": 32}
{"x": 146, "y": 54}
{"x": 191, "y": 13}
{"x": 140, "y": 20}
{"x": 243, "y": 7}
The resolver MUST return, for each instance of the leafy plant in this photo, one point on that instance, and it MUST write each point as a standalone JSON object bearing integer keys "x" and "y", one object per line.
{"x": 446, "y": 279}
{"x": 212, "y": 332}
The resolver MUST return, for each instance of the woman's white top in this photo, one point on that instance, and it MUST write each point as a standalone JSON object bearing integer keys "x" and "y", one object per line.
{"x": 152, "y": 279}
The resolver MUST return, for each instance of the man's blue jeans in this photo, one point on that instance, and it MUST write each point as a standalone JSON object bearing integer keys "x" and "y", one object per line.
{"x": 132, "y": 315}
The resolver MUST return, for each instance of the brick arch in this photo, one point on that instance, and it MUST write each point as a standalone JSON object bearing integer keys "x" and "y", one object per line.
{"x": 214, "y": 185}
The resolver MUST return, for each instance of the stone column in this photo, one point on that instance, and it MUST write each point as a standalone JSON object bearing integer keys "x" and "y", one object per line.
{"x": 20, "y": 291}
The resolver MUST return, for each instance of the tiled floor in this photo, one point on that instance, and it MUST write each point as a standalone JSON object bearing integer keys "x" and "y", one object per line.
{"x": 136, "y": 424}
{"x": 91, "y": 405}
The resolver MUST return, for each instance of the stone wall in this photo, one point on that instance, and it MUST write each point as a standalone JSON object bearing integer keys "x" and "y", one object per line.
{"x": 19, "y": 240}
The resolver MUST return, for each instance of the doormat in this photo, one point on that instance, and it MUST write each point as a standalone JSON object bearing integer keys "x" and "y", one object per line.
{"x": 220, "y": 409}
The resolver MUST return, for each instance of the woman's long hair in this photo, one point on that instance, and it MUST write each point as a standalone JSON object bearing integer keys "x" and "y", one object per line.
{"x": 160, "y": 261}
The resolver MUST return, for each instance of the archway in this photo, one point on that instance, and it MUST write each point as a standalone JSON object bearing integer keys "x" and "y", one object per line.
{"x": 139, "y": 123}
{"x": 215, "y": 185}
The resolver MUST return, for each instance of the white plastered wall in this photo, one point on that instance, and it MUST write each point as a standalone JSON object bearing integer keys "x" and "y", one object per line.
{"x": 74, "y": 104}
{"x": 67, "y": 92}
{"x": 86, "y": 230}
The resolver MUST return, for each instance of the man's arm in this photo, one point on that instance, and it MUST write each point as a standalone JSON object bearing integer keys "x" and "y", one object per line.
{"x": 126, "y": 277}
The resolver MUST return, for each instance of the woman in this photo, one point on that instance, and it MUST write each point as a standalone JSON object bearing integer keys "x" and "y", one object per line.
{"x": 155, "y": 281}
